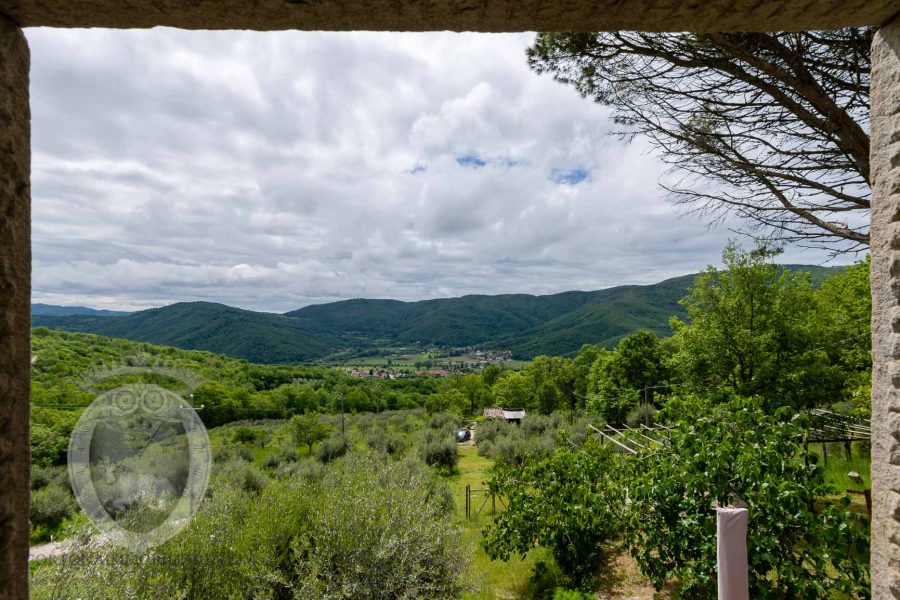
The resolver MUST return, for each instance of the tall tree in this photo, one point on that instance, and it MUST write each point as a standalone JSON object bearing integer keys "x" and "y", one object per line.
{"x": 777, "y": 122}
{"x": 630, "y": 374}
{"x": 844, "y": 311}
{"x": 753, "y": 331}
{"x": 586, "y": 357}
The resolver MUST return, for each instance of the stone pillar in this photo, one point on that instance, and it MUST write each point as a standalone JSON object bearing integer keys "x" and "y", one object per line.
{"x": 15, "y": 310}
{"x": 885, "y": 249}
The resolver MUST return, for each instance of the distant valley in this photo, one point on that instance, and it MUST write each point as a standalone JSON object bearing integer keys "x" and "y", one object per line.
{"x": 526, "y": 325}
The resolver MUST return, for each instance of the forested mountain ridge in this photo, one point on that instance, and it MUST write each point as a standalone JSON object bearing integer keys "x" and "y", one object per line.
{"x": 556, "y": 324}
{"x": 52, "y": 310}
{"x": 254, "y": 336}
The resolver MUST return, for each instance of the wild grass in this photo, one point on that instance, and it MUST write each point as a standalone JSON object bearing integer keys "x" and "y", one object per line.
{"x": 490, "y": 579}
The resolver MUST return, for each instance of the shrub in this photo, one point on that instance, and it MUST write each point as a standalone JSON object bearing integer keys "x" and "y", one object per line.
{"x": 306, "y": 471}
{"x": 231, "y": 453}
{"x": 438, "y": 449}
{"x": 444, "y": 421}
{"x": 239, "y": 474}
{"x": 485, "y": 448}
{"x": 48, "y": 445}
{"x": 489, "y": 431}
{"x": 515, "y": 448}
{"x": 235, "y": 547}
{"x": 369, "y": 529}
{"x": 332, "y": 448}
{"x": 246, "y": 435}
{"x": 287, "y": 455}
{"x": 41, "y": 477}
{"x": 386, "y": 442}
{"x": 364, "y": 423}
{"x": 439, "y": 454}
{"x": 642, "y": 414}
{"x": 50, "y": 505}
{"x": 378, "y": 532}
{"x": 536, "y": 425}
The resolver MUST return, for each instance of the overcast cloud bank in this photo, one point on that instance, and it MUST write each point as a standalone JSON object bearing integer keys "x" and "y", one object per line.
{"x": 273, "y": 170}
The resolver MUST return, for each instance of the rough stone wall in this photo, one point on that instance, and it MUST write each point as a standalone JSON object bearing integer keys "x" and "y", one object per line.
{"x": 457, "y": 15}
{"x": 885, "y": 251}
{"x": 15, "y": 310}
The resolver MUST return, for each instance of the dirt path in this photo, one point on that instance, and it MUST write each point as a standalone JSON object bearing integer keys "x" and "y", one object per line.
{"x": 49, "y": 550}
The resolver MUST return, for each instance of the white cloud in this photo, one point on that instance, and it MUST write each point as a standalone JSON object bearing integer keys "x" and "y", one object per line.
{"x": 273, "y": 170}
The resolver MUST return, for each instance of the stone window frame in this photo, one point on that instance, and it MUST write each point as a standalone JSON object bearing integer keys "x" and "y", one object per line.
{"x": 457, "y": 15}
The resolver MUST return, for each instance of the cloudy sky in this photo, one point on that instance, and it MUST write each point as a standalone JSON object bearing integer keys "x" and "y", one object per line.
{"x": 274, "y": 170}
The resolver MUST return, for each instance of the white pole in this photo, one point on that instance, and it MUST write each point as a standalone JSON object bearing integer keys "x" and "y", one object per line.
{"x": 731, "y": 536}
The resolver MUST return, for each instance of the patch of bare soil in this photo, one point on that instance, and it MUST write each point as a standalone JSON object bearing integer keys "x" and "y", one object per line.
{"x": 621, "y": 579}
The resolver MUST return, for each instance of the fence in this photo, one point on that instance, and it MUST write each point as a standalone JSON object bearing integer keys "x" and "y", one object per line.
{"x": 489, "y": 494}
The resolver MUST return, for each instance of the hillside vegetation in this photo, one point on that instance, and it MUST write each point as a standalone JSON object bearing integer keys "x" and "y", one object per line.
{"x": 557, "y": 324}
{"x": 312, "y": 494}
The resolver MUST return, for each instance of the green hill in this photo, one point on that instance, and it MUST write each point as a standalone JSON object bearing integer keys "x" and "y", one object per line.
{"x": 607, "y": 319}
{"x": 556, "y": 324}
{"x": 52, "y": 310}
{"x": 464, "y": 321}
{"x": 254, "y": 336}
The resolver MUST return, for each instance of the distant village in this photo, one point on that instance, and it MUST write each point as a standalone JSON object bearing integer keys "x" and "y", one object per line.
{"x": 470, "y": 360}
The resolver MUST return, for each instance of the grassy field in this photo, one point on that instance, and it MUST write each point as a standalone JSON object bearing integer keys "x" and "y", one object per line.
{"x": 838, "y": 464}
{"x": 491, "y": 580}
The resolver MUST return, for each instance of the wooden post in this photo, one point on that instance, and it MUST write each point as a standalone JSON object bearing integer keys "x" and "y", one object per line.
{"x": 468, "y": 501}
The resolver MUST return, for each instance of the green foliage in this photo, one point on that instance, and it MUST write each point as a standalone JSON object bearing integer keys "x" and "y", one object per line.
{"x": 50, "y": 504}
{"x": 380, "y": 531}
{"x": 642, "y": 414}
{"x": 231, "y": 389}
{"x": 240, "y": 474}
{"x": 582, "y": 363}
{"x": 387, "y": 442}
{"x": 446, "y": 422}
{"x": 245, "y": 435}
{"x": 41, "y": 477}
{"x": 536, "y": 437}
{"x": 753, "y": 331}
{"x": 48, "y": 445}
{"x": 844, "y": 305}
{"x": 273, "y": 461}
{"x": 490, "y": 374}
{"x": 514, "y": 390}
{"x": 620, "y": 379}
{"x": 333, "y": 448}
{"x": 515, "y": 446}
{"x": 546, "y": 384}
{"x": 803, "y": 543}
{"x": 562, "y": 594}
{"x": 437, "y": 449}
{"x": 366, "y": 529}
{"x": 569, "y": 503}
{"x": 309, "y": 429}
